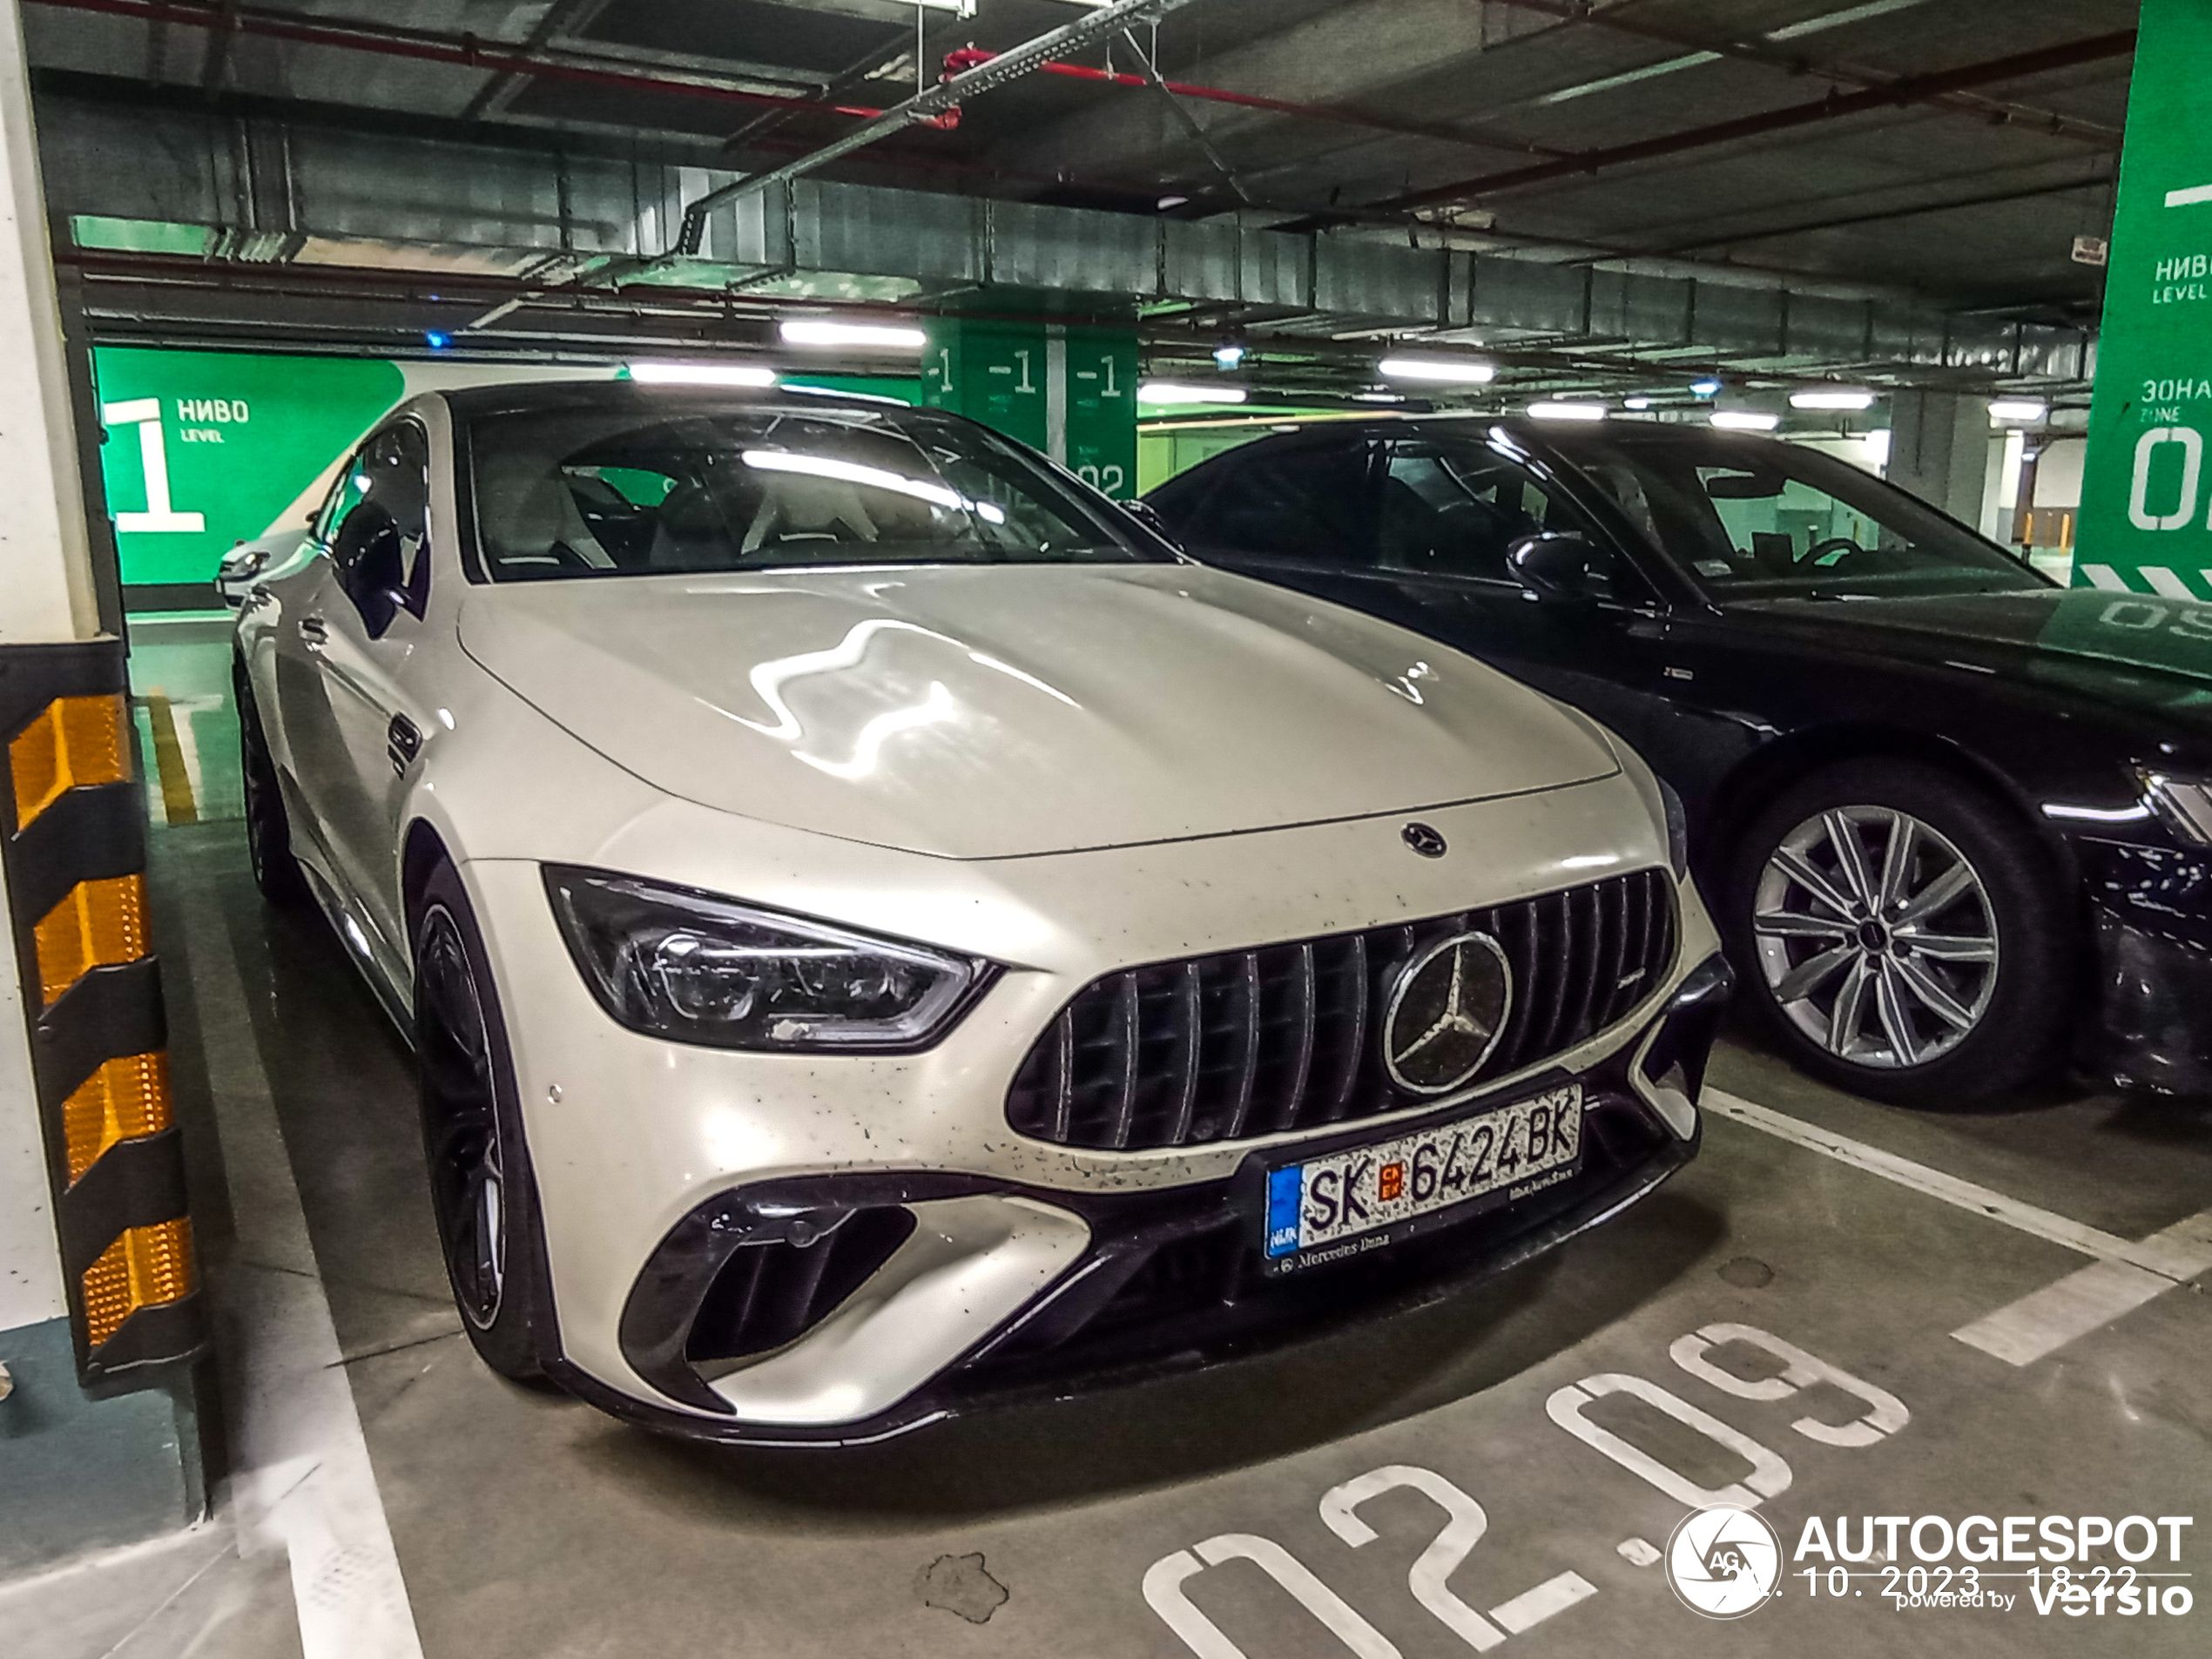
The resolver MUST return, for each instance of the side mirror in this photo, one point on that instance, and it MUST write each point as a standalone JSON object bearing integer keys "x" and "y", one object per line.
{"x": 1149, "y": 515}
{"x": 1561, "y": 566}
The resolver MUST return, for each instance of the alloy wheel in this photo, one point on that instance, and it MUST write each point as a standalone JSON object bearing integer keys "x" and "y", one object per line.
{"x": 461, "y": 1119}
{"x": 1876, "y": 936}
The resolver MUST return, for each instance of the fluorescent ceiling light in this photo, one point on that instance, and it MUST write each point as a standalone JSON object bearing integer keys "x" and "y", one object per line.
{"x": 812, "y": 330}
{"x": 1831, "y": 397}
{"x": 1744, "y": 420}
{"x": 1636, "y": 403}
{"x": 1176, "y": 392}
{"x": 1377, "y": 397}
{"x": 2017, "y": 408}
{"x": 1567, "y": 411}
{"x": 702, "y": 374}
{"x": 1705, "y": 387}
{"x": 1463, "y": 371}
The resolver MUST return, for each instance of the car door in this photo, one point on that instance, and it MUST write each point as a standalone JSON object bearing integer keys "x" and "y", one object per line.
{"x": 360, "y": 625}
{"x": 1448, "y": 511}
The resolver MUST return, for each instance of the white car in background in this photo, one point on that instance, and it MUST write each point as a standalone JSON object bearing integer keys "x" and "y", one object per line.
{"x": 881, "y": 931}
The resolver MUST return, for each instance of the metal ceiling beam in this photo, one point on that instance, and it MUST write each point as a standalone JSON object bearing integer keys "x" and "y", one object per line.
{"x": 1913, "y": 89}
{"x": 1008, "y": 65}
{"x": 1778, "y": 56}
{"x": 468, "y": 51}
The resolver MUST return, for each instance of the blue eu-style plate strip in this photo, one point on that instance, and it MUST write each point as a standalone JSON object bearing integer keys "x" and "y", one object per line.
{"x": 1286, "y": 1195}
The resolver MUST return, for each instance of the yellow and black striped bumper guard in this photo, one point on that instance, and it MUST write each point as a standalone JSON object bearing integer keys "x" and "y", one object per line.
{"x": 75, "y": 858}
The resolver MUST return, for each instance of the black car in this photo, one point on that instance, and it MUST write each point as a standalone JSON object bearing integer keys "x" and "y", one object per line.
{"x": 1956, "y": 821}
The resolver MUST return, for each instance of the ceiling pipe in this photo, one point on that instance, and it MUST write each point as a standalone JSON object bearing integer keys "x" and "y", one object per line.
{"x": 1912, "y": 89}
{"x": 1775, "y": 55}
{"x": 967, "y": 57}
{"x": 425, "y": 46}
{"x": 936, "y": 101}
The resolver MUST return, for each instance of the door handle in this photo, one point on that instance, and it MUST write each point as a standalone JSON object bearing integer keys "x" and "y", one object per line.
{"x": 314, "y": 629}
{"x": 403, "y": 741}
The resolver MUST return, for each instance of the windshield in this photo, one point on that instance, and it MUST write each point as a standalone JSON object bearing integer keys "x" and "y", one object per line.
{"x": 645, "y": 490}
{"x": 1777, "y": 520}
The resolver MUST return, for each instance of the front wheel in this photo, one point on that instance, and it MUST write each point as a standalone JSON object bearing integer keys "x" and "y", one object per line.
{"x": 1901, "y": 933}
{"x": 480, "y": 1190}
{"x": 268, "y": 827}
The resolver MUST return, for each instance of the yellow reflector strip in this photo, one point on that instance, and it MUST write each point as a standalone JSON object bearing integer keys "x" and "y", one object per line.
{"x": 123, "y": 1099}
{"x": 144, "y": 1268}
{"x": 77, "y": 740}
{"x": 101, "y": 922}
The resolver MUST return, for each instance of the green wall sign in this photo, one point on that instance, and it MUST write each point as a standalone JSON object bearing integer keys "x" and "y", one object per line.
{"x": 2146, "y": 524}
{"x": 1066, "y": 388}
{"x": 204, "y": 449}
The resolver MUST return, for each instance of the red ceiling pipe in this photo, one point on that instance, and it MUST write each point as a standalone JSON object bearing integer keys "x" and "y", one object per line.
{"x": 968, "y": 56}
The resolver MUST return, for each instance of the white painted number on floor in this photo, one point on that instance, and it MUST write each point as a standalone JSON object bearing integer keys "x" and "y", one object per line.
{"x": 1429, "y": 1580}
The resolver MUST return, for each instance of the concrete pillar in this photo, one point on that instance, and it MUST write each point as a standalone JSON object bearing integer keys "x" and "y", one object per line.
{"x": 45, "y": 595}
{"x": 1940, "y": 449}
{"x": 98, "y": 1442}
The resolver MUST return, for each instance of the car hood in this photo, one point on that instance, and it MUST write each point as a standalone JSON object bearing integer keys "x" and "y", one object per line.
{"x": 989, "y": 712}
{"x": 2129, "y": 650}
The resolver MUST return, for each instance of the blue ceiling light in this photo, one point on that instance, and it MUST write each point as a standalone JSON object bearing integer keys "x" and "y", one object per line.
{"x": 437, "y": 342}
{"x": 1705, "y": 387}
{"x": 1229, "y": 355}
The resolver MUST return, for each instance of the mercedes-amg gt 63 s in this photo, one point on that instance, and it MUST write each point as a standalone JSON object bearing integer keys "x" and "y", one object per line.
{"x": 881, "y": 931}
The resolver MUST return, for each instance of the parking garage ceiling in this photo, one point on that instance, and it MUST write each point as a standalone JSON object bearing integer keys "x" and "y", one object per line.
{"x": 1940, "y": 155}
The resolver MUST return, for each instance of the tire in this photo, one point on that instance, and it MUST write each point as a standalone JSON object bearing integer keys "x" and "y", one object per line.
{"x": 1951, "y": 985}
{"x": 268, "y": 829}
{"x": 482, "y": 1191}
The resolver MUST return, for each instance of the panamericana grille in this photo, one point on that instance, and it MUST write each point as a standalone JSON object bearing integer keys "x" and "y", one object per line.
{"x": 1259, "y": 1042}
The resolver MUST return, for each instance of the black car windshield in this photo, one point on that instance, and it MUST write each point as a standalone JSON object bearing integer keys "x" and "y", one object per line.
{"x": 651, "y": 487}
{"x": 1753, "y": 518}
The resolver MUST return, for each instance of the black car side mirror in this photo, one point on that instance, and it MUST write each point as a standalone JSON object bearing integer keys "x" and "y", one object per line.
{"x": 1149, "y": 515}
{"x": 1561, "y": 566}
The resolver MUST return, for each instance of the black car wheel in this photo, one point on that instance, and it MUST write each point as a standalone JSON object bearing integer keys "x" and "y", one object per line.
{"x": 1901, "y": 933}
{"x": 268, "y": 830}
{"x": 481, "y": 1190}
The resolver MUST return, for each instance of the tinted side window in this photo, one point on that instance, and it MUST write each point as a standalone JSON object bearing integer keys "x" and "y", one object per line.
{"x": 1455, "y": 510}
{"x": 378, "y": 540}
{"x": 1308, "y": 502}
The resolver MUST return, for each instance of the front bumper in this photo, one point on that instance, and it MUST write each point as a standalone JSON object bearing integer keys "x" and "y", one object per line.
{"x": 2150, "y": 917}
{"x": 1128, "y": 1287}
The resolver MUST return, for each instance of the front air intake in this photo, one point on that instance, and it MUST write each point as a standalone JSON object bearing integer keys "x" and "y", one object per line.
{"x": 1262, "y": 1041}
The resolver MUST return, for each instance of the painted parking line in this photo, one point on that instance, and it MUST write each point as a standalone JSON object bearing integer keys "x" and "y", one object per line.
{"x": 2126, "y": 1273}
{"x": 2048, "y": 1319}
{"x": 177, "y": 803}
{"x": 303, "y": 1482}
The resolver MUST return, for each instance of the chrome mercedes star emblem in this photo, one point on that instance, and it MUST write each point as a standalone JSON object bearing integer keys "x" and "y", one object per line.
{"x": 1424, "y": 840}
{"x": 1447, "y": 1013}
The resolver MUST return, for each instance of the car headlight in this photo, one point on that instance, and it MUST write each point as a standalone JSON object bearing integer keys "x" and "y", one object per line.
{"x": 689, "y": 965}
{"x": 2185, "y": 804}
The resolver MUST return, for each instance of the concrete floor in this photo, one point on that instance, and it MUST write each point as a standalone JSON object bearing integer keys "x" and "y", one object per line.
{"x": 526, "y": 1524}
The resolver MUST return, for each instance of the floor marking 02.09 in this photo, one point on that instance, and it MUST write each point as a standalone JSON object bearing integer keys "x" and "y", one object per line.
{"x": 1428, "y": 1580}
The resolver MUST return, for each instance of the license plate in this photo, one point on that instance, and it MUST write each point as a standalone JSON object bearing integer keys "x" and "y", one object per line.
{"x": 1348, "y": 1202}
